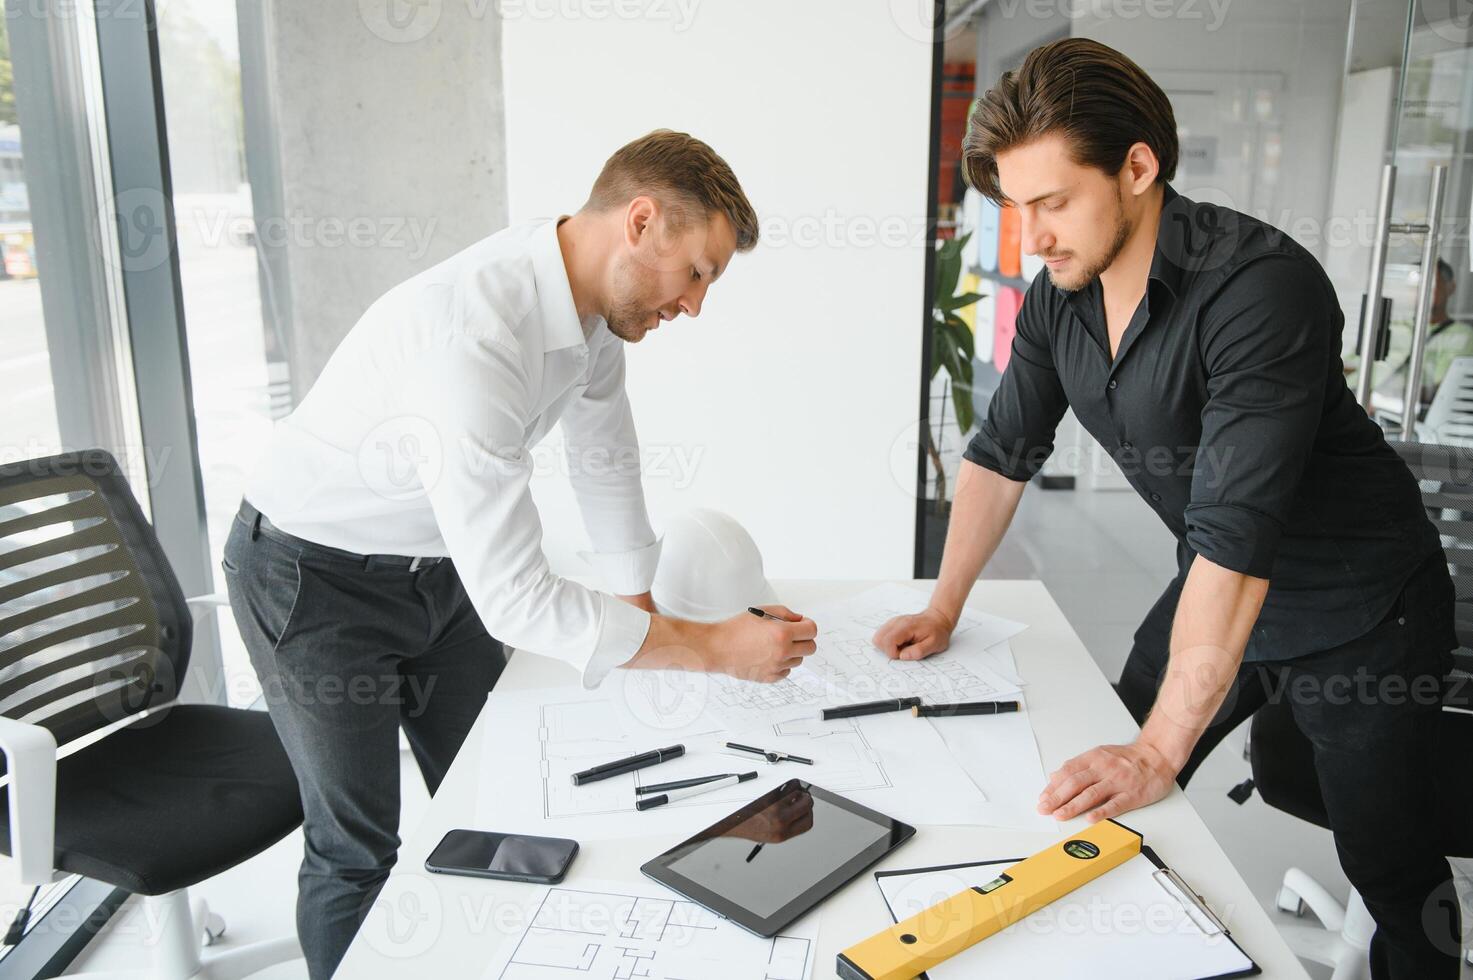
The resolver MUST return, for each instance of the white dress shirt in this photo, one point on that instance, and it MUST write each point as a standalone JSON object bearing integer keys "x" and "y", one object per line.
{"x": 415, "y": 441}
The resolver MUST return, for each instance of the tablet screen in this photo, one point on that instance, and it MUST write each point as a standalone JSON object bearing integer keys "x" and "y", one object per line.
{"x": 783, "y": 852}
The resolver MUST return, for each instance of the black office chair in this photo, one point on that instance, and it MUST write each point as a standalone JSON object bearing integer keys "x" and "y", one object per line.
{"x": 1283, "y": 759}
{"x": 154, "y": 795}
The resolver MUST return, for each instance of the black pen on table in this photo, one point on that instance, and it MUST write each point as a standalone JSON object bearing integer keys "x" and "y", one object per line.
{"x": 870, "y": 708}
{"x": 621, "y": 766}
{"x": 964, "y": 708}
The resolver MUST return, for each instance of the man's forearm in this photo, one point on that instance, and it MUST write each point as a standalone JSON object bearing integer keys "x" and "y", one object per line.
{"x": 981, "y": 510}
{"x": 1214, "y": 618}
{"x": 674, "y": 644}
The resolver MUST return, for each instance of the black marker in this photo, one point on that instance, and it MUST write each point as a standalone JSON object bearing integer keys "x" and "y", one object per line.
{"x": 964, "y": 708}
{"x": 619, "y": 768}
{"x": 869, "y": 708}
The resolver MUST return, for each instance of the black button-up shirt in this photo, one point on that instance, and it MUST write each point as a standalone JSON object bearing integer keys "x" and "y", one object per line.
{"x": 1227, "y": 410}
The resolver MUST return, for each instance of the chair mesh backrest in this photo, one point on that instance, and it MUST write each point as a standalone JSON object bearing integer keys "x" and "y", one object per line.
{"x": 93, "y": 624}
{"x": 1450, "y": 416}
{"x": 1445, "y": 474}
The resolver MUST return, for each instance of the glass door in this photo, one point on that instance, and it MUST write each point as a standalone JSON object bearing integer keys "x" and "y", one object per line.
{"x": 1411, "y": 116}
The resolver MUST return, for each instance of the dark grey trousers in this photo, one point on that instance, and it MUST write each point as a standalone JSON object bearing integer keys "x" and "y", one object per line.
{"x": 348, "y": 649}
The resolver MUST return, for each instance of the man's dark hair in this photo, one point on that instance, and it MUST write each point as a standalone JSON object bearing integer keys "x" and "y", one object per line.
{"x": 1099, "y": 100}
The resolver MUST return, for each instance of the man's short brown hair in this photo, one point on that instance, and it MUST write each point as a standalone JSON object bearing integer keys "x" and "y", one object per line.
{"x": 1099, "y": 100}
{"x": 683, "y": 174}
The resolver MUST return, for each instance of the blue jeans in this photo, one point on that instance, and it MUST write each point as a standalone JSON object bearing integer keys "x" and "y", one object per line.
{"x": 348, "y": 649}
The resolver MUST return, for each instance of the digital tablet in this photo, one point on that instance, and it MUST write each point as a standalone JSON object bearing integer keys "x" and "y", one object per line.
{"x": 778, "y": 856}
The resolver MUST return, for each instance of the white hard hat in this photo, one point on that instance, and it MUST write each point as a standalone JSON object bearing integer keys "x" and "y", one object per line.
{"x": 710, "y": 568}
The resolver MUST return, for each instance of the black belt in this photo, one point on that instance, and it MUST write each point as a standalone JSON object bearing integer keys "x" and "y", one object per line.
{"x": 260, "y": 526}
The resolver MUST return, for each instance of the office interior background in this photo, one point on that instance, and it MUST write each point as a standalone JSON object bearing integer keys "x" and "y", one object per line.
{"x": 198, "y": 198}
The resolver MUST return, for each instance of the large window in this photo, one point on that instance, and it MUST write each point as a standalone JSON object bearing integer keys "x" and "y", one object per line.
{"x": 236, "y": 356}
{"x": 91, "y": 345}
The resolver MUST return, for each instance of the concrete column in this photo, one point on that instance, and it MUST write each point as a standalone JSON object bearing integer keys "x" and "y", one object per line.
{"x": 376, "y": 145}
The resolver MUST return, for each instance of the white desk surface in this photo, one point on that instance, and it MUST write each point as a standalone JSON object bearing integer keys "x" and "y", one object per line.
{"x": 446, "y": 926}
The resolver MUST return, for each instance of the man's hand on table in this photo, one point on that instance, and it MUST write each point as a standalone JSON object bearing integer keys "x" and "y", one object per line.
{"x": 1107, "y": 781}
{"x": 916, "y": 636}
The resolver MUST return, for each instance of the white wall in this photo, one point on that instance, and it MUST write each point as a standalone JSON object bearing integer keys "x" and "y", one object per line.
{"x": 1300, "y": 41}
{"x": 787, "y": 402}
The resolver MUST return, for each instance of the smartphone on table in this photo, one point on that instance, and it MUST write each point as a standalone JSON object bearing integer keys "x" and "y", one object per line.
{"x": 508, "y": 857}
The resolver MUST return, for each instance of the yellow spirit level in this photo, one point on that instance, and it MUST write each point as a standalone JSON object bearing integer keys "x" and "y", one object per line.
{"x": 940, "y": 932}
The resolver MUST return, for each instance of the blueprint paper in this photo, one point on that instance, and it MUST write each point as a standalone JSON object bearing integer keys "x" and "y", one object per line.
{"x": 846, "y": 668}
{"x": 537, "y": 739}
{"x": 1000, "y": 755}
{"x": 601, "y": 930}
{"x": 848, "y": 660}
{"x": 1123, "y": 924}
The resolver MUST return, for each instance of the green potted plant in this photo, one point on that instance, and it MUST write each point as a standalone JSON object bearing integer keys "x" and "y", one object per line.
{"x": 953, "y": 345}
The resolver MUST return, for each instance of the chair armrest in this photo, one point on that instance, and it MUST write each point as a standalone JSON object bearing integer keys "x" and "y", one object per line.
{"x": 201, "y": 606}
{"x": 208, "y": 604}
{"x": 30, "y": 759}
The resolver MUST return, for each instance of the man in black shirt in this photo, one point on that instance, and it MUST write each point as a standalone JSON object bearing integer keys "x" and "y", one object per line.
{"x": 1201, "y": 347}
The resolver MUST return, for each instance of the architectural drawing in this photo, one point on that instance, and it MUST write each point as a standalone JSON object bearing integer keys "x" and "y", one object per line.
{"x": 612, "y": 935}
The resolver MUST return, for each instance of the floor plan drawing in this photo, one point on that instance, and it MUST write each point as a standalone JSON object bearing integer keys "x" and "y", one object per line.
{"x": 942, "y": 678}
{"x": 879, "y": 617}
{"x": 613, "y": 933}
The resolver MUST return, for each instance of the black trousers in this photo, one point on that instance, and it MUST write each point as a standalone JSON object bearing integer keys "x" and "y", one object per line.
{"x": 1370, "y": 708}
{"x": 348, "y": 649}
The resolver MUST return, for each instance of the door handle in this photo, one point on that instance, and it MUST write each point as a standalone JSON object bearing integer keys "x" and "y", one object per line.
{"x": 1369, "y": 319}
{"x": 1424, "y": 305}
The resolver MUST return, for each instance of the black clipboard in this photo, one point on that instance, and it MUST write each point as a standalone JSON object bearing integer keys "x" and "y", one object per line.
{"x": 1179, "y": 889}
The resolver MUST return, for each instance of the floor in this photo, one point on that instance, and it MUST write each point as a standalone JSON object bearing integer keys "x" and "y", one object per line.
{"x": 1102, "y": 555}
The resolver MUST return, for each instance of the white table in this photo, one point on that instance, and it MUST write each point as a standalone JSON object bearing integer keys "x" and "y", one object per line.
{"x": 444, "y": 926}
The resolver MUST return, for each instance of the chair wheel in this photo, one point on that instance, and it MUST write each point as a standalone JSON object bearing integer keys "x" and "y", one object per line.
{"x": 1289, "y": 902}
{"x": 214, "y": 928}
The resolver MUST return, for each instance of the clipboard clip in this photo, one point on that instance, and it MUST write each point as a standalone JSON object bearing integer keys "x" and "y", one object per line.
{"x": 1171, "y": 883}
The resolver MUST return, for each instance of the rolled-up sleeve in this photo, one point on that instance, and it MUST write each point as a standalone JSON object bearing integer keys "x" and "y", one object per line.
{"x": 471, "y": 393}
{"x": 1265, "y": 349}
{"x": 604, "y": 466}
{"x": 1017, "y": 436}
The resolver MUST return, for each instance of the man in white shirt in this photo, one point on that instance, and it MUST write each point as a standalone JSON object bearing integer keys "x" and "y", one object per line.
{"x": 389, "y": 532}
